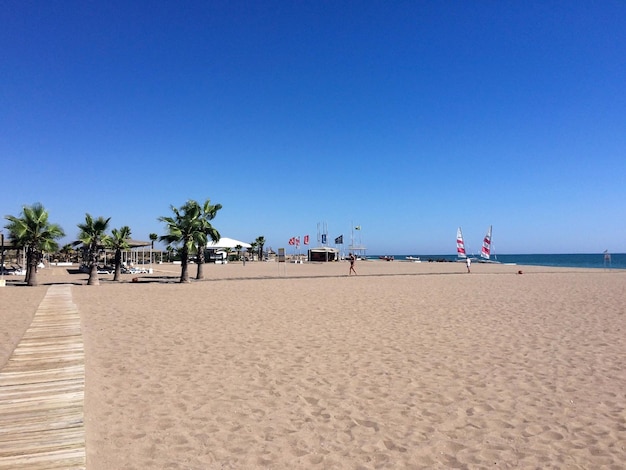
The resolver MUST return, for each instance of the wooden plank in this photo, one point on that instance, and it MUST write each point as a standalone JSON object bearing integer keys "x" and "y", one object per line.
{"x": 49, "y": 460}
{"x": 47, "y": 360}
{"x": 54, "y": 333}
{"x": 33, "y": 343}
{"x": 11, "y": 370}
{"x": 51, "y": 346}
{"x": 50, "y": 439}
{"x": 42, "y": 391}
{"x": 35, "y": 404}
{"x": 55, "y": 419}
{"x": 41, "y": 388}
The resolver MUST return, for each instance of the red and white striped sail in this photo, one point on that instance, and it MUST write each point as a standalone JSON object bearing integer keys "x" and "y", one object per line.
{"x": 486, "y": 250}
{"x": 460, "y": 244}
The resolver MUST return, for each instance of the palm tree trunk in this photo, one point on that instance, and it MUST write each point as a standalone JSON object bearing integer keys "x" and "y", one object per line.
{"x": 118, "y": 265}
{"x": 93, "y": 271}
{"x": 184, "y": 264}
{"x": 200, "y": 271}
{"x": 93, "y": 276}
{"x": 31, "y": 268}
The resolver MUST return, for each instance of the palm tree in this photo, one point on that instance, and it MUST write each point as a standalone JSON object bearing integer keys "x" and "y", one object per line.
{"x": 207, "y": 213}
{"x": 238, "y": 249}
{"x": 118, "y": 241}
{"x": 260, "y": 241}
{"x": 33, "y": 232}
{"x": 183, "y": 229}
{"x": 67, "y": 251}
{"x": 252, "y": 250}
{"x": 153, "y": 237}
{"x": 92, "y": 236}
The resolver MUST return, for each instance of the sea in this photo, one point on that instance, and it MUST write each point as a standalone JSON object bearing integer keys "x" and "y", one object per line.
{"x": 577, "y": 260}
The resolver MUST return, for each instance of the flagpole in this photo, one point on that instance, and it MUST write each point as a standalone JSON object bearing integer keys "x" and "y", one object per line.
{"x": 352, "y": 234}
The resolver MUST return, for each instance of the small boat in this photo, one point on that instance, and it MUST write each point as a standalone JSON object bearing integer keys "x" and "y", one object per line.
{"x": 386, "y": 258}
{"x": 485, "y": 252}
{"x": 460, "y": 246}
{"x": 413, "y": 259}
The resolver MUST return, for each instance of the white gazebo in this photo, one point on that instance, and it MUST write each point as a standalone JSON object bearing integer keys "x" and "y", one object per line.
{"x": 218, "y": 255}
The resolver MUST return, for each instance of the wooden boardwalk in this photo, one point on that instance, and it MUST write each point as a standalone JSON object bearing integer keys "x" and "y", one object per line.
{"x": 42, "y": 390}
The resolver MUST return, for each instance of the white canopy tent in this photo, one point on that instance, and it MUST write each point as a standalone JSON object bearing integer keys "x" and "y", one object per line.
{"x": 227, "y": 243}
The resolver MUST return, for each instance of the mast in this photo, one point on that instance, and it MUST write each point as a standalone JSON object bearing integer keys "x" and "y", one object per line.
{"x": 356, "y": 248}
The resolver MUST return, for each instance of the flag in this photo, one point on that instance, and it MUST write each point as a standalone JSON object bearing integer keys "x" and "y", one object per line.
{"x": 358, "y": 227}
{"x": 292, "y": 241}
{"x": 297, "y": 241}
{"x": 323, "y": 239}
{"x": 306, "y": 239}
{"x": 339, "y": 240}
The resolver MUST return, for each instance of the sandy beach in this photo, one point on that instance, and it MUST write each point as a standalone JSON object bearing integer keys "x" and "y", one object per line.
{"x": 407, "y": 365}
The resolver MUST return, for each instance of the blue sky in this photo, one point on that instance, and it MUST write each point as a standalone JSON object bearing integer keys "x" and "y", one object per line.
{"x": 406, "y": 118}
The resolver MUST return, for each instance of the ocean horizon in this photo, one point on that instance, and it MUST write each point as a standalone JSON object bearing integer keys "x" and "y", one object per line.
{"x": 575, "y": 260}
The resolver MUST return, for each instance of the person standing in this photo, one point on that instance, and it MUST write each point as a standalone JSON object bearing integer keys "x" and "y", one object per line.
{"x": 352, "y": 260}
{"x": 468, "y": 263}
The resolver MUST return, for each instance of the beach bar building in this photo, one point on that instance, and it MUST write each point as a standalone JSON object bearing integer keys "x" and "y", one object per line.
{"x": 323, "y": 253}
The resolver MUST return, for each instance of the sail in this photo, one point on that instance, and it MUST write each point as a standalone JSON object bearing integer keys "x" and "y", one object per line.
{"x": 460, "y": 244}
{"x": 486, "y": 250}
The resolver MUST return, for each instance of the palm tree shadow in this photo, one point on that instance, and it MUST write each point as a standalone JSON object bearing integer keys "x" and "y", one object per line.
{"x": 158, "y": 280}
{"x": 61, "y": 283}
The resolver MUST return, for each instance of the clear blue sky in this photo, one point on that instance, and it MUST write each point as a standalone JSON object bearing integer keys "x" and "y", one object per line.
{"x": 408, "y": 118}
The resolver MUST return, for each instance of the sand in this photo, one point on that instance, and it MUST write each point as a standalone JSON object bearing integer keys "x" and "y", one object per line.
{"x": 406, "y": 365}
{"x": 17, "y": 309}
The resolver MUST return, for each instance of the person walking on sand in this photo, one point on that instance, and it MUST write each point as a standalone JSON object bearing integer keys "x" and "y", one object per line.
{"x": 468, "y": 263}
{"x": 352, "y": 260}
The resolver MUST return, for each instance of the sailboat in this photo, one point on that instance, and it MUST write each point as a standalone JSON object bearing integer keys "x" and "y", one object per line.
{"x": 460, "y": 245}
{"x": 485, "y": 252}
